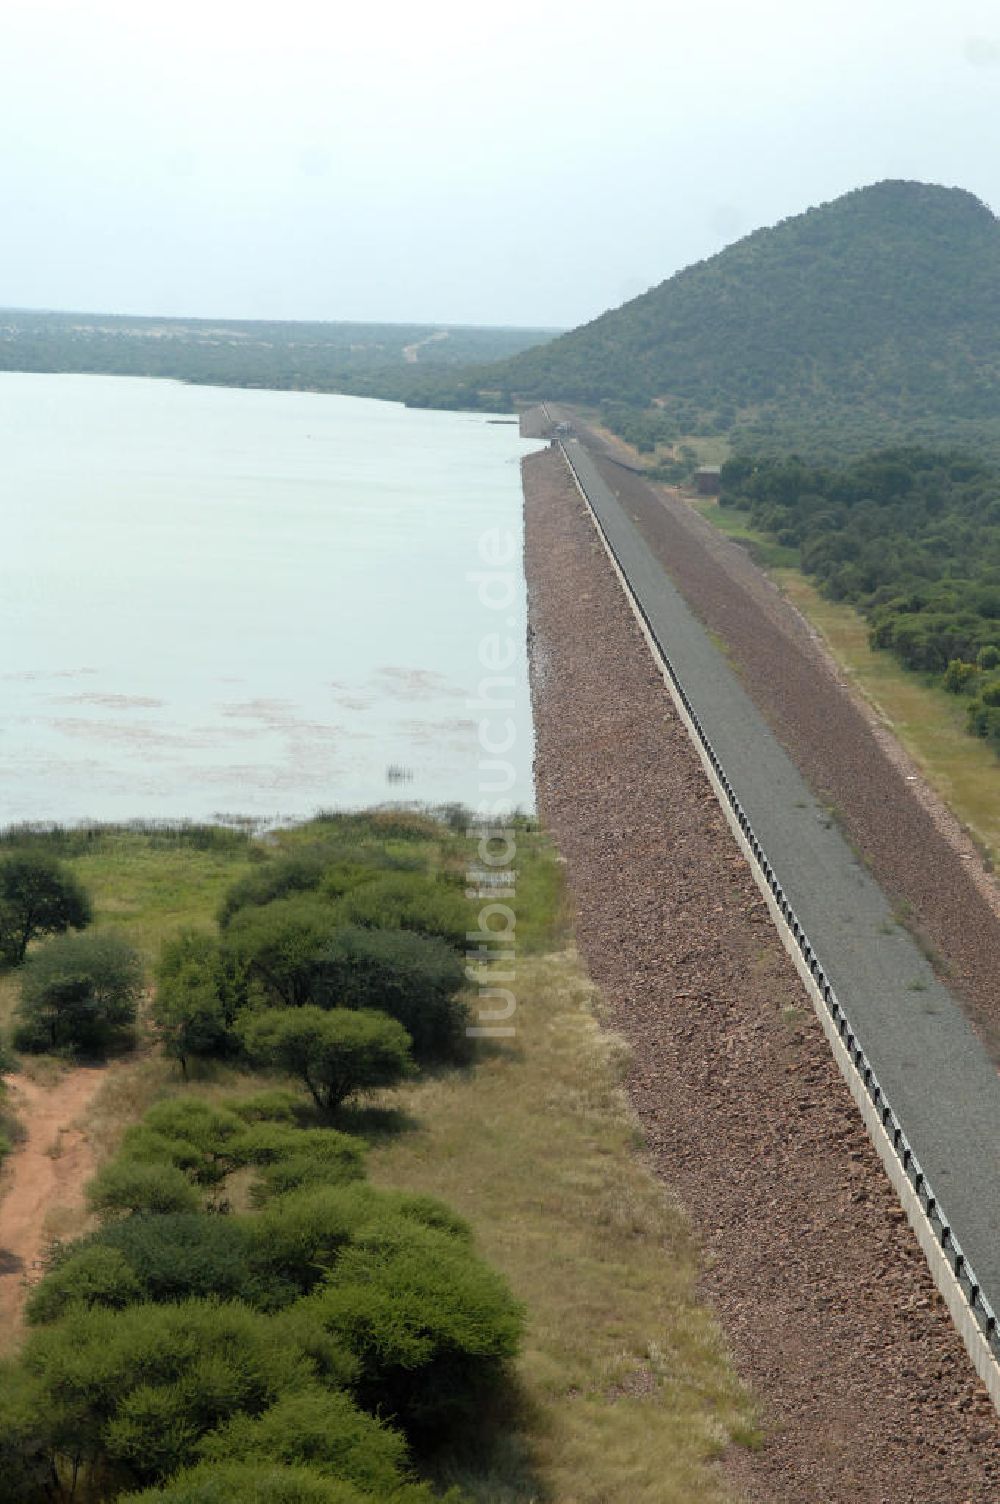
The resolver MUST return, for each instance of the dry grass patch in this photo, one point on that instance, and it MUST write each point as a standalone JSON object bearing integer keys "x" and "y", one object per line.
{"x": 627, "y": 1386}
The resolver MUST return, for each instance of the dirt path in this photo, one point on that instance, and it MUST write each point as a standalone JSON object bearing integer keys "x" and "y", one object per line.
{"x": 44, "y": 1177}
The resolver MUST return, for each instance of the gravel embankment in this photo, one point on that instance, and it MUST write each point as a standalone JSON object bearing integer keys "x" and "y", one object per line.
{"x": 866, "y": 1391}
{"x": 914, "y": 849}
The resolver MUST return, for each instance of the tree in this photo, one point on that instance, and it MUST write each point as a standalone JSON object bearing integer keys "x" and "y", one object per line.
{"x": 409, "y": 901}
{"x": 190, "y": 1008}
{"x": 126, "y": 1187}
{"x": 278, "y": 944}
{"x": 78, "y": 992}
{"x": 38, "y": 896}
{"x": 189, "y": 1134}
{"x": 89, "y": 1276}
{"x": 318, "y": 1429}
{"x": 160, "y": 1258}
{"x": 335, "y": 1053}
{"x": 432, "y": 1326}
{"x": 124, "y": 1397}
{"x": 414, "y": 978}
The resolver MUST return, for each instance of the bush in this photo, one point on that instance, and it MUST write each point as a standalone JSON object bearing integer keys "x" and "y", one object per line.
{"x": 988, "y": 657}
{"x": 165, "y": 1259}
{"x": 336, "y": 1054}
{"x": 89, "y": 1276}
{"x": 78, "y": 992}
{"x": 431, "y": 1325}
{"x": 410, "y": 901}
{"x": 129, "y": 1394}
{"x": 253, "y": 1483}
{"x": 278, "y": 945}
{"x": 38, "y": 896}
{"x": 412, "y": 977}
{"x": 299, "y": 872}
{"x": 125, "y": 1188}
{"x": 297, "y": 1240}
{"x": 318, "y": 1429}
{"x": 25, "y": 1463}
{"x": 202, "y": 1138}
{"x": 194, "y": 1005}
{"x": 958, "y": 676}
{"x": 264, "y": 1144}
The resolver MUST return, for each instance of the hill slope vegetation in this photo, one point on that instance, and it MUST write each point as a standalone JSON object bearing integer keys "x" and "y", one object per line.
{"x": 877, "y": 313}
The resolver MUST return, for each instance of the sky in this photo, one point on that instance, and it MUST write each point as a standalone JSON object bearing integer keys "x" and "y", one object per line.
{"x": 528, "y": 164}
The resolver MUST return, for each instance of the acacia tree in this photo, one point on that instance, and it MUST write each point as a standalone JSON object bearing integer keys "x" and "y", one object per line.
{"x": 78, "y": 992}
{"x": 191, "y": 1009}
{"x": 335, "y": 1053}
{"x": 38, "y": 896}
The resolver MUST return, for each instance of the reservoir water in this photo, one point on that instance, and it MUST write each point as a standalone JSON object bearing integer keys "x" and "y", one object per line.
{"x": 221, "y": 602}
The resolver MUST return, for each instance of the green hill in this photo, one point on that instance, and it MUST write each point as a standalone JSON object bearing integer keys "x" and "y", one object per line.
{"x": 878, "y": 313}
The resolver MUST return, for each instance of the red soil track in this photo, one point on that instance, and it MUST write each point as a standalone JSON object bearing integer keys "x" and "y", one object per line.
{"x": 45, "y": 1174}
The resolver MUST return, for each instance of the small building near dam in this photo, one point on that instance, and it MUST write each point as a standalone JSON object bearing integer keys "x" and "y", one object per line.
{"x": 708, "y": 480}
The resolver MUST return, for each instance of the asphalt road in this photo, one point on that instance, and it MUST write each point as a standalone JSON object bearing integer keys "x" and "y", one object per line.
{"x": 937, "y": 1076}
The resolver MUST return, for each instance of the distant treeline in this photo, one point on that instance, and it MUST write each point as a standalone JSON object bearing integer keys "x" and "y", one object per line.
{"x": 412, "y": 363}
{"x": 912, "y": 538}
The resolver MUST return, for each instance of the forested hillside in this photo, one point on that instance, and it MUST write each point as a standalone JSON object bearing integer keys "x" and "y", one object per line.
{"x": 874, "y": 317}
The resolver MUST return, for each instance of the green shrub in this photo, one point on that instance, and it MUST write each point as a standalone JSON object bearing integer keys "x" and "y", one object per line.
{"x": 336, "y": 1054}
{"x": 182, "y": 1256}
{"x": 189, "y": 1134}
{"x": 196, "y": 999}
{"x": 432, "y": 1326}
{"x": 304, "y": 1170}
{"x": 25, "y": 1461}
{"x": 958, "y": 676}
{"x": 988, "y": 656}
{"x": 126, "y": 1187}
{"x": 263, "y": 1144}
{"x": 89, "y": 1276}
{"x": 318, "y": 1429}
{"x": 129, "y": 1394}
{"x": 298, "y": 872}
{"x": 256, "y": 1483}
{"x": 412, "y": 977}
{"x": 277, "y": 946}
{"x": 78, "y": 992}
{"x": 410, "y": 901}
{"x": 298, "y": 1239}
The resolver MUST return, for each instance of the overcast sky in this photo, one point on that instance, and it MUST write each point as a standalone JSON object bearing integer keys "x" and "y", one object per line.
{"x": 525, "y": 164}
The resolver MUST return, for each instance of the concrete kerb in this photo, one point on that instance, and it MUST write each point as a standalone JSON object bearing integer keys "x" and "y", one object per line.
{"x": 825, "y": 1004}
